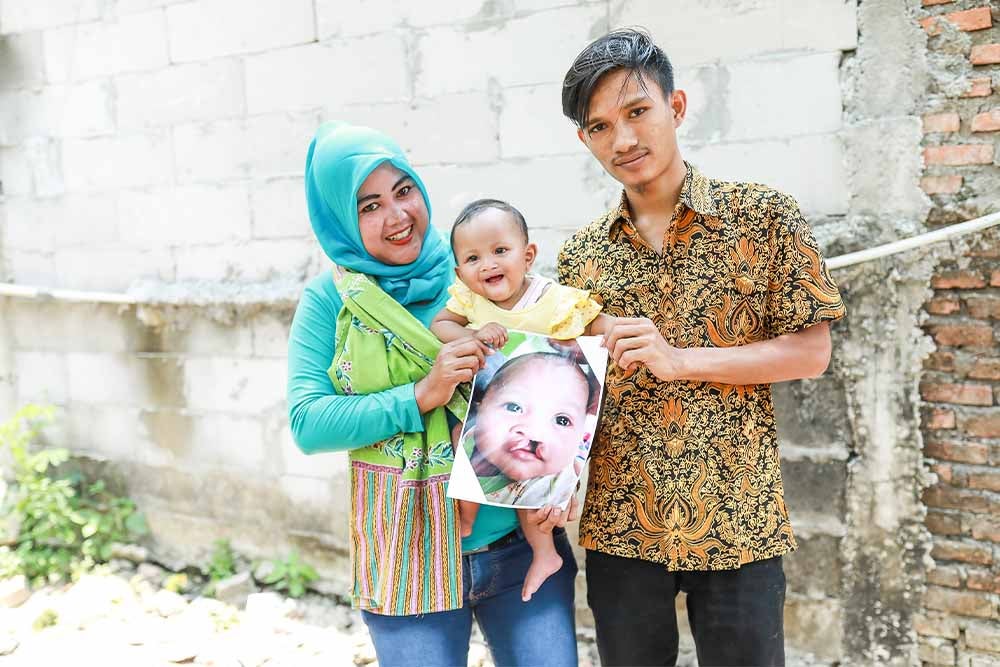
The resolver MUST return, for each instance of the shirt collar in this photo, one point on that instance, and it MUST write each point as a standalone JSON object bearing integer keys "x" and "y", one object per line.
{"x": 696, "y": 194}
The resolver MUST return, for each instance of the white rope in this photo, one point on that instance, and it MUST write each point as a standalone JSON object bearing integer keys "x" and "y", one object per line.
{"x": 839, "y": 262}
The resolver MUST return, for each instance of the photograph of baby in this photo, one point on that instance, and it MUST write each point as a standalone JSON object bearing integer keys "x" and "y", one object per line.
{"x": 531, "y": 422}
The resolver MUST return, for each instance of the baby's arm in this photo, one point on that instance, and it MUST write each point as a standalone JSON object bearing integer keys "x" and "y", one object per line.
{"x": 448, "y": 326}
{"x": 599, "y": 325}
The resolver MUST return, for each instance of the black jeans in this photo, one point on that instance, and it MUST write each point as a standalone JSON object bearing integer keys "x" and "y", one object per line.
{"x": 736, "y": 616}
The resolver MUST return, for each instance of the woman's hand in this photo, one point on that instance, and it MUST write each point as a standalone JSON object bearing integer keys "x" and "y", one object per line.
{"x": 456, "y": 362}
{"x": 549, "y": 517}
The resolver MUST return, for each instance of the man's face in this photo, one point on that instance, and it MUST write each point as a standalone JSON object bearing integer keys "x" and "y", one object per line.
{"x": 633, "y": 132}
{"x": 526, "y": 438}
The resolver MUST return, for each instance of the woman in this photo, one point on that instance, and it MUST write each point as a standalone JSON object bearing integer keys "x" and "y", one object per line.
{"x": 365, "y": 374}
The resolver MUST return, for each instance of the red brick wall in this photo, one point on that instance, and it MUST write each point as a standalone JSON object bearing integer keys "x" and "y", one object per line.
{"x": 960, "y": 387}
{"x": 960, "y": 123}
{"x": 960, "y": 390}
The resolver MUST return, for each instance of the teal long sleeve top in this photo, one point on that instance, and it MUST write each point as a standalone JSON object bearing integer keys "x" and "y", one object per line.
{"x": 323, "y": 421}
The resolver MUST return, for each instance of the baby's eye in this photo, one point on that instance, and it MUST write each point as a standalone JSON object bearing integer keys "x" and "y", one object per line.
{"x": 563, "y": 420}
{"x": 501, "y": 250}
{"x": 510, "y": 406}
{"x": 471, "y": 258}
{"x": 370, "y": 207}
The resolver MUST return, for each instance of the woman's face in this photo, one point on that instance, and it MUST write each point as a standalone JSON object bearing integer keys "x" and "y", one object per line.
{"x": 531, "y": 438}
{"x": 392, "y": 216}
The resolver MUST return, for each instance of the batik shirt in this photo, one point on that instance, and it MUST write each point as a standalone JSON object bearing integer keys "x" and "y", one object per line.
{"x": 687, "y": 473}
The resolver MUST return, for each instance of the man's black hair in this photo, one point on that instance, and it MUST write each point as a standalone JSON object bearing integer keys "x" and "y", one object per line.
{"x": 627, "y": 48}
{"x": 475, "y": 208}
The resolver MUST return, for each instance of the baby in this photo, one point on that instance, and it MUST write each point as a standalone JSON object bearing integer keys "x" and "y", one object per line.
{"x": 532, "y": 452}
{"x": 494, "y": 293}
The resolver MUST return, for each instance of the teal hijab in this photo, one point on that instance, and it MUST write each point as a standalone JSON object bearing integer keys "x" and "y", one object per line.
{"x": 341, "y": 156}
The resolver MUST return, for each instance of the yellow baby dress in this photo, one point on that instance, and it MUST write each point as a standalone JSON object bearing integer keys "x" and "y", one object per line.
{"x": 558, "y": 311}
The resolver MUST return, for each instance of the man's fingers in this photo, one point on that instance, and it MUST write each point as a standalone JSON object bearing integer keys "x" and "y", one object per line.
{"x": 618, "y": 332}
{"x": 550, "y": 517}
{"x": 626, "y": 344}
{"x": 630, "y": 358}
{"x": 539, "y": 516}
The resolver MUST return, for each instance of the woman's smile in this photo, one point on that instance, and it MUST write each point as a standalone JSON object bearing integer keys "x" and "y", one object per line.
{"x": 401, "y": 237}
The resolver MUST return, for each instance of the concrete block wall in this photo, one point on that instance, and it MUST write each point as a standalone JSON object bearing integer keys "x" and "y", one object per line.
{"x": 190, "y": 413}
{"x": 167, "y": 137}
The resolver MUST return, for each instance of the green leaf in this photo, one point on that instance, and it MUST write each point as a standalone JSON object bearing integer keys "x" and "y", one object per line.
{"x": 136, "y": 524}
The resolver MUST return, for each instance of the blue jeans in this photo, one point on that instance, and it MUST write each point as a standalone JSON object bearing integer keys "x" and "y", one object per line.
{"x": 539, "y": 632}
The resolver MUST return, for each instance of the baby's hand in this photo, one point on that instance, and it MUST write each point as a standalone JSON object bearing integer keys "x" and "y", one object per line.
{"x": 493, "y": 335}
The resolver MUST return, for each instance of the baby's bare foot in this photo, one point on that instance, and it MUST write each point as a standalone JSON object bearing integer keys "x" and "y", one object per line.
{"x": 543, "y": 566}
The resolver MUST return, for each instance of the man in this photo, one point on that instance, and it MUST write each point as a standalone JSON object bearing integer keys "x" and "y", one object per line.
{"x": 723, "y": 292}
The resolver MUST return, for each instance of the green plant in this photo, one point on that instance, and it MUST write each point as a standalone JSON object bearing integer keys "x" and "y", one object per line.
{"x": 177, "y": 583}
{"x": 291, "y": 575}
{"x": 10, "y": 563}
{"x": 66, "y": 524}
{"x": 224, "y": 619}
{"x": 222, "y": 564}
{"x": 46, "y": 619}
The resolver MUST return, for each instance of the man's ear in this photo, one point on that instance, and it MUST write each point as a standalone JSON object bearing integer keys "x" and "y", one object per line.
{"x": 530, "y": 252}
{"x": 579, "y": 135}
{"x": 678, "y": 104}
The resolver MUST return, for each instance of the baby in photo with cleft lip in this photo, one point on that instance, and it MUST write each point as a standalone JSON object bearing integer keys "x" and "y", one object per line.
{"x": 522, "y": 450}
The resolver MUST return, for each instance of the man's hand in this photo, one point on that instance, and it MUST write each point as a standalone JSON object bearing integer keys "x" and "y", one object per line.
{"x": 636, "y": 340}
{"x": 492, "y": 335}
{"x": 549, "y": 517}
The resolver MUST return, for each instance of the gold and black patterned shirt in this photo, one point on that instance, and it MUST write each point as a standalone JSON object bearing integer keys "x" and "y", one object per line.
{"x": 687, "y": 473}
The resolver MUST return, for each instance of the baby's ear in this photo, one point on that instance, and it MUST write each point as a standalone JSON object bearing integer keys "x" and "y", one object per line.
{"x": 530, "y": 252}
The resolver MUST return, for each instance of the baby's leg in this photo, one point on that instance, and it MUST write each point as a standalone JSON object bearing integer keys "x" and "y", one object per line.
{"x": 467, "y": 511}
{"x": 545, "y": 560}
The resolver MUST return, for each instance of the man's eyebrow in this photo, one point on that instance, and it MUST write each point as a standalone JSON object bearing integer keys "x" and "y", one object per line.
{"x": 638, "y": 99}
